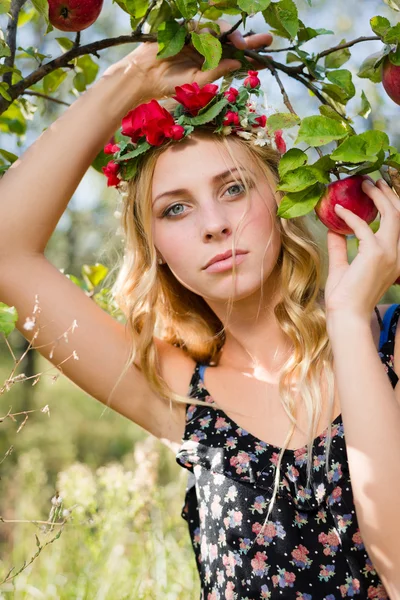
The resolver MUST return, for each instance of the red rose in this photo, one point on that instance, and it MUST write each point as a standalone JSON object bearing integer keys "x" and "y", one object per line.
{"x": 111, "y": 148}
{"x": 252, "y": 80}
{"x": 261, "y": 120}
{"x": 231, "y": 118}
{"x": 151, "y": 120}
{"x": 231, "y": 94}
{"x": 194, "y": 98}
{"x": 110, "y": 171}
{"x": 280, "y": 142}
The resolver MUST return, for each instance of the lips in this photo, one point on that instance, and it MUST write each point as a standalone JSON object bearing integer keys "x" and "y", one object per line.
{"x": 223, "y": 256}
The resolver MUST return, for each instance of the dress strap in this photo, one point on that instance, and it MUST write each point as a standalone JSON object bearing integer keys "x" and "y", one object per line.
{"x": 202, "y": 368}
{"x": 388, "y": 324}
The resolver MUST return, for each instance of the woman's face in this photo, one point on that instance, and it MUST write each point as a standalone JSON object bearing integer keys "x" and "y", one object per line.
{"x": 196, "y": 211}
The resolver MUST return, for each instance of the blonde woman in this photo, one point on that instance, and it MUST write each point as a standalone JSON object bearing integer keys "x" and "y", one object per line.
{"x": 291, "y": 435}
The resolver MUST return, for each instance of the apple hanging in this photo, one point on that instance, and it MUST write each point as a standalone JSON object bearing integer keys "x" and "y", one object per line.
{"x": 74, "y": 15}
{"x": 391, "y": 79}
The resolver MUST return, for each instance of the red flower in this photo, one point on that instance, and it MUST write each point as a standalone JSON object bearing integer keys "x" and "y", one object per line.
{"x": 151, "y": 120}
{"x": 231, "y": 118}
{"x": 110, "y": 171}
{"x": 177, "y": 132}
{"x": 111, "y": 148}
{"x": 231, "y": 94}
{"x": 261, "y": 120}
{"x": 194, "y": 98}
{"x": 280, "y": 142}
{"x": 252, "y": 81}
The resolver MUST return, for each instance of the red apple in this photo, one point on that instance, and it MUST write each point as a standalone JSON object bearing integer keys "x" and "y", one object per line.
{"x": 348, "y": 193}
{"x": 74, "y": 15}
{"x": 391, "y": 79}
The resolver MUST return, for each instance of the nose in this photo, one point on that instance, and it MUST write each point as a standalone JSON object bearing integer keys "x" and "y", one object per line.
{"x": 216, "y": 225}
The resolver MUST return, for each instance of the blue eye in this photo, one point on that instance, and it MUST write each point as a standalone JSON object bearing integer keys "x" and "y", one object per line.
{"x": 167, "y": 213}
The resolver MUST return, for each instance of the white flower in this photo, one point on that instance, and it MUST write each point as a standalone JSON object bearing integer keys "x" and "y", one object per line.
{"x": 29, "y": 323}
{"x": 226, "y": 130}
{"x": 244, "y": 134}
{"x": 244, "y": 122}
{"x": 260, "y": 141}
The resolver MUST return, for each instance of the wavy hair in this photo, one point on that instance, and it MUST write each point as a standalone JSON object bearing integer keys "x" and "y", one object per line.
{"x": 155, "y": 303}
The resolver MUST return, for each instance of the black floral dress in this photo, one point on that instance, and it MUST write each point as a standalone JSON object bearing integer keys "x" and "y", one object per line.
{"x": 311, "y": 548}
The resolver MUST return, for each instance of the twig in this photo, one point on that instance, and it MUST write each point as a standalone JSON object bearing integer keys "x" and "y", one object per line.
{"x": 56, "y": 100}
{"x": 223, "y": 38}
{"x": 143, "y": 19}
{"x": 345, "y": 45}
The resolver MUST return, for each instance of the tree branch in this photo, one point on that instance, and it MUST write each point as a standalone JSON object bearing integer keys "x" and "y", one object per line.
{"x": 345, "y": 45}
{"x": 11, "y": 37}
{"x": 29, "y": 93}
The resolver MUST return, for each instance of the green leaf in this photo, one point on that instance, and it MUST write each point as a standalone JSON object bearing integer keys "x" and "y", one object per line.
{"x": 335, "y": 92}
{"x": 93, "y": 274}
{"x": 365, "y": 106}
{"x": 300, "y": 203}
{"x": 282, "y": 121}
{"x": 53, "y": 80}
{"x": 65, "y": 43}
{"x": 395, "y": 4}
{"x": 79, "y": 82}
{"x": 342, "y": 78}
{"x": 207, "y": 116}
{"x": 10, "y": 156}
{"x": 86, "y": 65}
{"x": 393, "y": 35}
{"x": 328, "y": 111}
{"x": 3, "y": 91}
{"x": 142, "y": 147}
{"x": 158, "y": 16}
{"x": 32, "y": 52}
{"x": 8, "y": 318}
{"x": 308, "y": 33}
{"x": 320, "y": 130}
{"x": 5, "y": 6}
{"x": 301, "y": 178}
{"x": 4, "y": 49}
{"x": 187, "y": 8}
{"x": 251, "y": 7}
{"x": 136, "y": 8}
{"x": 292, "y": 159}
{"x": 13, "y": 120}
{"x": 283, "y": 16}
{"x": 171, "y": 39}
{"x": 42, "y": 8}
{"x": 338, "y": 58}
{"x": 210, "y": 25}
{"x": 380, "y": 25}
{"x": 209, "y": 47}
{"x": 362, "y": 147}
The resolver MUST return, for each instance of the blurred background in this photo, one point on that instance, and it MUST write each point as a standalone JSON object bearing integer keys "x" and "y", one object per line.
{"x": 122, "y": 488}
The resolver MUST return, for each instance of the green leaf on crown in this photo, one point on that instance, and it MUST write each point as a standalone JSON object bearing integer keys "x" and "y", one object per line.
{"x": 292, "y": 159}
{"x": 308, "y": 33}
{"x": 171, "y": 39}
{"x": 370, "y": 67}
{"x": 300, "y": 203}
{"x": 142, "y": 147}
{"x": 334, "y": 60}
{"x": 320, "y": 130}
{"x": 209, "y": 47}
{"x": 207, "y": 116}
{"x": 393, "y": 35}
{"x": 282, "y": 121}
{"x": 301, "y": 178}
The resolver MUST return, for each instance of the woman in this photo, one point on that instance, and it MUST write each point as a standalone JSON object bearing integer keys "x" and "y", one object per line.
{"x": 267, "y": 520}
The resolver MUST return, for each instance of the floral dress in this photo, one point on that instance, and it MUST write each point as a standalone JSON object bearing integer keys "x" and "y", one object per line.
{"x": 311, "y": 547}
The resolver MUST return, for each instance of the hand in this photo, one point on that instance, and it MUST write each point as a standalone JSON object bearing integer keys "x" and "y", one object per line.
{"x": 159, "y": 77}
{"x": 358, "y": 287}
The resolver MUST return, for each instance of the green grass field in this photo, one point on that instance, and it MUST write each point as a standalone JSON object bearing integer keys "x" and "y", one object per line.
{"x": 119, "y": 489}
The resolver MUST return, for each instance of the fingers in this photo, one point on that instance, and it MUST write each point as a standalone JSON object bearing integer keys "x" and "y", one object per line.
{"x": 388, "y": 206}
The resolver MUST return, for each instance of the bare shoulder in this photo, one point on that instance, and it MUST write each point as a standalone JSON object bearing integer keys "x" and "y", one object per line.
{"x": 176, "y": 368}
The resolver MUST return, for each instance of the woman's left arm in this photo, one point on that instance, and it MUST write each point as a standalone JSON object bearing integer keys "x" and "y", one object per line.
{"x": 369, "y": 405}
{"x": 371, "y": 417}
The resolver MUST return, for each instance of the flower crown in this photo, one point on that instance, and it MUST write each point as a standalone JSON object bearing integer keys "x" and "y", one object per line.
{"x": 150, "y": 124}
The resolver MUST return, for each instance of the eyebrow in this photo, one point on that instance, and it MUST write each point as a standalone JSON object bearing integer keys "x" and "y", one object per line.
{"x": 213, "y": 179}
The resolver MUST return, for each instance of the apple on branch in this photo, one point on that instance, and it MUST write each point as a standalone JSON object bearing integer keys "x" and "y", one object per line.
{"x": 391, "y": 79}
{"x": 74, "y": 15}
{"x": 349, "y": 193}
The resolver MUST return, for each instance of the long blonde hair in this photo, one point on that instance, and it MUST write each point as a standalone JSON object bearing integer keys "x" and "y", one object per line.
{"x": 155, "y": 303}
